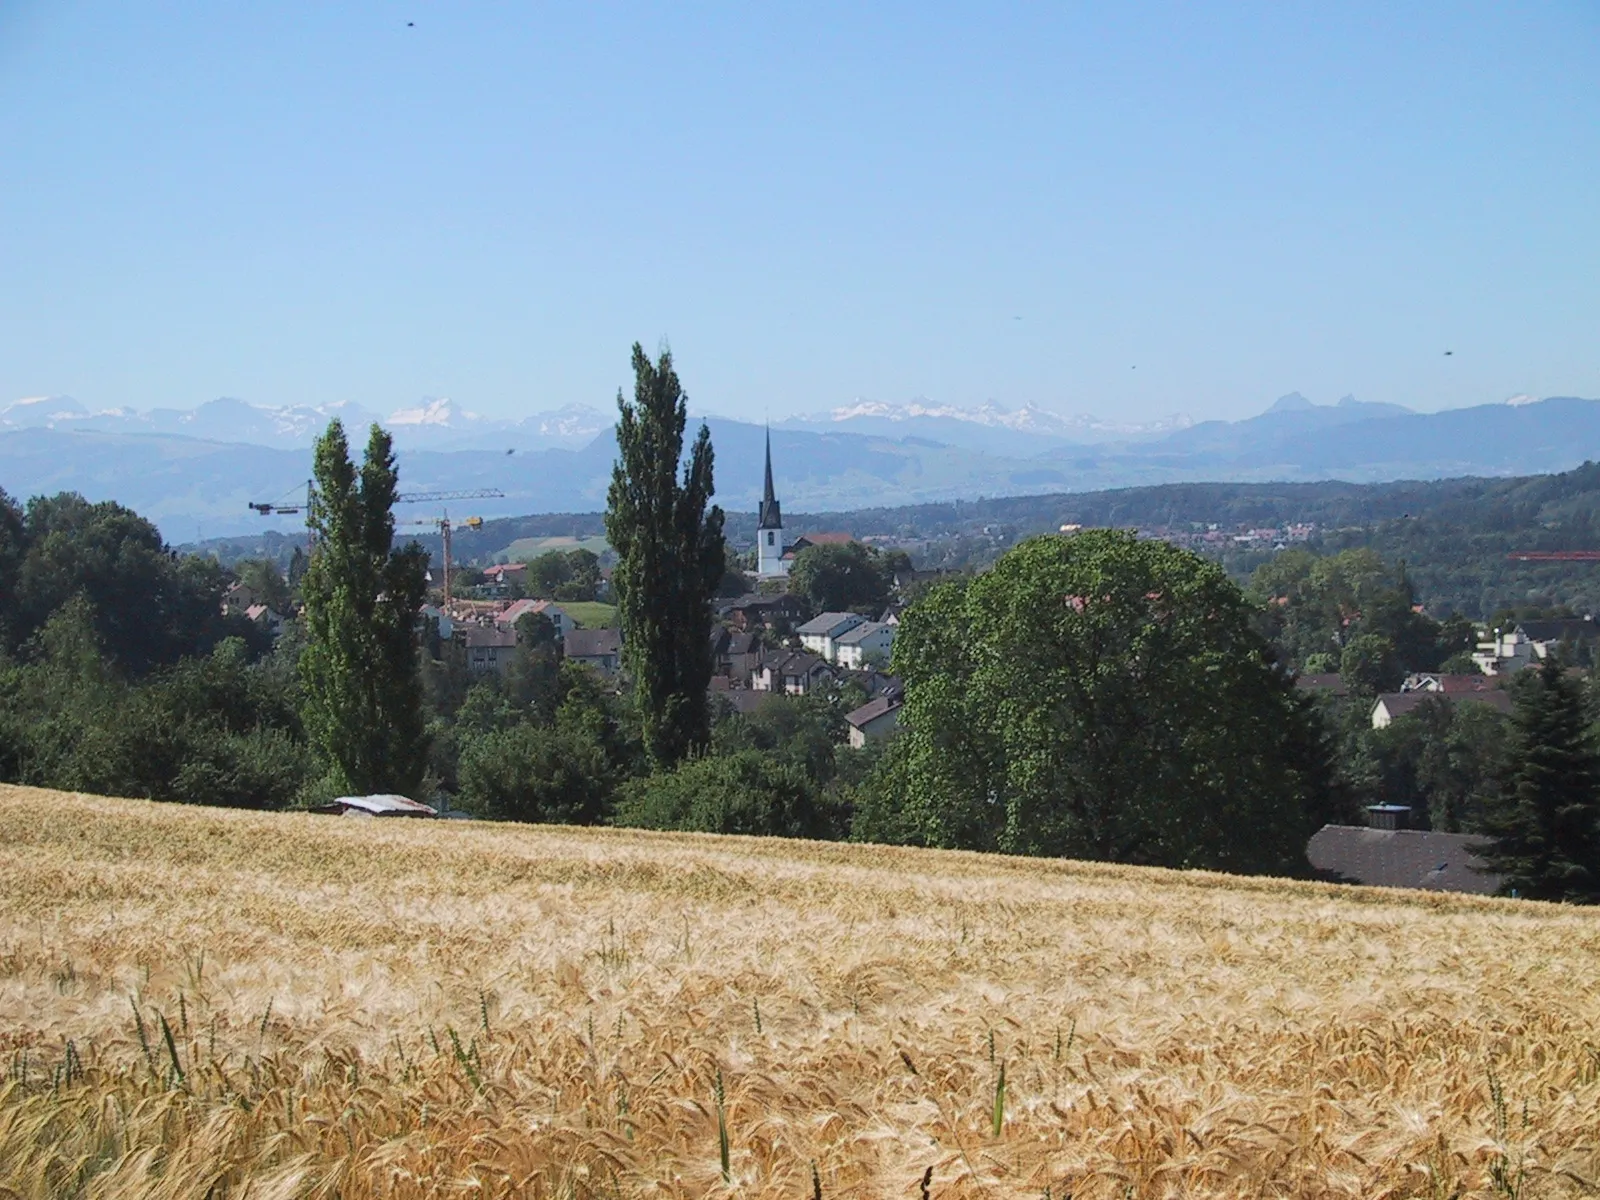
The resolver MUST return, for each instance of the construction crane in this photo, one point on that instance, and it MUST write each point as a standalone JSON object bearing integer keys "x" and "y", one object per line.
{"x": 442, "y": 524}
{"x": 1554, "y": 556}
{"x": 274, "y": 508}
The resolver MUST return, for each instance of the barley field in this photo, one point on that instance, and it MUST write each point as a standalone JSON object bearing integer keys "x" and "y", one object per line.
{"x": 208, "y": 1003}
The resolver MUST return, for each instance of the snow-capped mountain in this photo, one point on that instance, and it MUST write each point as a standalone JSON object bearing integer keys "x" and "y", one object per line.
{"x": 1027, "y": 419}
{"x": 435, "y": 423}
{"x": 991, "y": 427}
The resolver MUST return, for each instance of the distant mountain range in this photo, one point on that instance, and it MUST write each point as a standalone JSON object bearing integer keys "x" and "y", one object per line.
{"x": 437, "y": 424}
{"x": 194, "y": 471}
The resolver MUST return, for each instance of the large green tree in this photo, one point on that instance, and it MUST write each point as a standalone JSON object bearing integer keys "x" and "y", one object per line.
{"x": 1102, "y": 697}
{"x": 669, "y": 545}
{"x": 363, "y": 709}
{"x": 835, "y": 578}
{"x": 1546, "y": 823}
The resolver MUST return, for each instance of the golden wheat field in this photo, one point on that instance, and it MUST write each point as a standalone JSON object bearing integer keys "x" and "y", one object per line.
{"x": 208, "y": 1003}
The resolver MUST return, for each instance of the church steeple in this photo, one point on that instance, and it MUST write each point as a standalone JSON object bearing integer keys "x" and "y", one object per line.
{"x": 771, "y": 517}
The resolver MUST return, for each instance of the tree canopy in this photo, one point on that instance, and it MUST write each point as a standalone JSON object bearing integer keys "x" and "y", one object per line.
{"x": 363, "y": 693}
{"x": 1545, "y": 826}
{"x": 1102, "y": 697}
{"x": 668, "y": 539}
{"x": 840, "y": 578}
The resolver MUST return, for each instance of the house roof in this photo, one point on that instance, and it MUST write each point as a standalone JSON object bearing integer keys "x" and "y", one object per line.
{"x": 593, "y": 643}
{"x": 1555, "y": 631}
{"x": 385, "y": 805}
{"x": 756, "y": 600}
{"x": 744, "y": 701}
{"x": 489, "y": 637}
{"x": 521, "y": 608}
{"x": 501, "y": 570}
{"x": 835, "y": 538}
{"x": 1400, "y": 703}
{"x": 872, "y": 710}
{"x": 1453, "y": 685}
{"x": 794, "y": 662}
{"x": 1404, "y": 858}
{"x": 742, "y": 643}
{"x": 863, "y": 631}
{"x": 825, "y": 624}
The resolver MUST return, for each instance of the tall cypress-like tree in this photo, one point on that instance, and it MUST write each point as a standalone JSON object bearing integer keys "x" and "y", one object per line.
{"x": 1546, "y": 824}
{"x": 669, "y": 544}
{"x": 363, "y": 705}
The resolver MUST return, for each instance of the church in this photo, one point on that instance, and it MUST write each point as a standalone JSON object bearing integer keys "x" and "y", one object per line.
{"x": 771, "y": 561}
{"x": 773, "y": 558}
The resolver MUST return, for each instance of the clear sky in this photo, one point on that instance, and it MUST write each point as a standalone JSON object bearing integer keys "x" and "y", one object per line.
{"x": 1126, "y": 210}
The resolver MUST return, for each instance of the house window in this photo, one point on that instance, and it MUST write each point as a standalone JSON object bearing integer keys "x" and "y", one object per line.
{"x": 770, "y": 536}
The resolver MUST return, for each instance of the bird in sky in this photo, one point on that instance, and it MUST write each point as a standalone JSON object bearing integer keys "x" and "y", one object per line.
{"x": 1448, "y": 353}
{"x": 411, "y": 24}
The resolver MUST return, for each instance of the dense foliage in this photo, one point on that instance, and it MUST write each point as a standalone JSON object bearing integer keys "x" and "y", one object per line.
{"x": 1102, "y": 697}
{"x": 359, "y": 667}
{"x": 670, "y": 551}
{"x": 845, "y": 578}
{"x": 1545, "y": 828}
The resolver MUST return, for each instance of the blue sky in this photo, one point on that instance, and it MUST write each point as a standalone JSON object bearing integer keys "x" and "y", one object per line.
{"x": 1190, "y": 208}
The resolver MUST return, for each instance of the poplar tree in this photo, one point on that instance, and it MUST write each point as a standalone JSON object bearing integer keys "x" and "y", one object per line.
{"x": 363, "y": 692}
{"x": 669, "y": 544}
{"x": 1546, "y": 823}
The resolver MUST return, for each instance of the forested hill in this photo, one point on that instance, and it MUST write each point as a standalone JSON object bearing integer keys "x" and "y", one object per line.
{"x": 1453, "y": 534}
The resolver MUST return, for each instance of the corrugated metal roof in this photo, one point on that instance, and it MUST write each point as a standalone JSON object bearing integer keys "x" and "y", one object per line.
{"x": 1403, "y": 858}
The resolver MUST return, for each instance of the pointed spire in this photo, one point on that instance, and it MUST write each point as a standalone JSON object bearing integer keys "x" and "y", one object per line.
{"x": 766, "y": 493}
{"x": 771, "y": 517}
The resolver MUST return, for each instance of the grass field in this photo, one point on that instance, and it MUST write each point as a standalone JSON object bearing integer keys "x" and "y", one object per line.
{"x": 590, "y": 614}
{"x": 531, "y": 547}
{"x": 206, "y": 1003}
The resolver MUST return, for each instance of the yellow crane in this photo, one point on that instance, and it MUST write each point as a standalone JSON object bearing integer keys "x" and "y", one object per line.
{"x": 283, "y": 507}
{"x": 443, "y": 525}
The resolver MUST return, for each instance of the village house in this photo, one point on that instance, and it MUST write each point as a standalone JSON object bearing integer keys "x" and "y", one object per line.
{"x": 488, "y": 647}
{"x": 1385, "y": 853}
{"x": 262, "y": 616}
{"x": 597, "y": 648}
{"x": 874, "y": 719}
{"x": 868, "y": 640}
{"x": 501, "y": 575}
{"x": 432, "y": 613}
{"x": 776, "y": 612}
{"x": 821, "y": 634}
{"x": 735, "y": 653}
{"x": 1391, "y": 705}
{"x": 791, "y": 672}
{"x": 521, "y": 608}
{"x": 1528, "y": 643}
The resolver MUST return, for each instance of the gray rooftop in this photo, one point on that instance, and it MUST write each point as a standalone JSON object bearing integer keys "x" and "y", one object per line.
{"x": 1402, "y": 858}
{"x": 825, "y": 624}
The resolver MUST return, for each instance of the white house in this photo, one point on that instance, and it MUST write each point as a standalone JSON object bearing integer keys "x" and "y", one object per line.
{"x": 1526, "y": 645}
{"x": 870, "y": 638}
{"x": 558, "y": 616}
{"x": 821, "y": 634}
